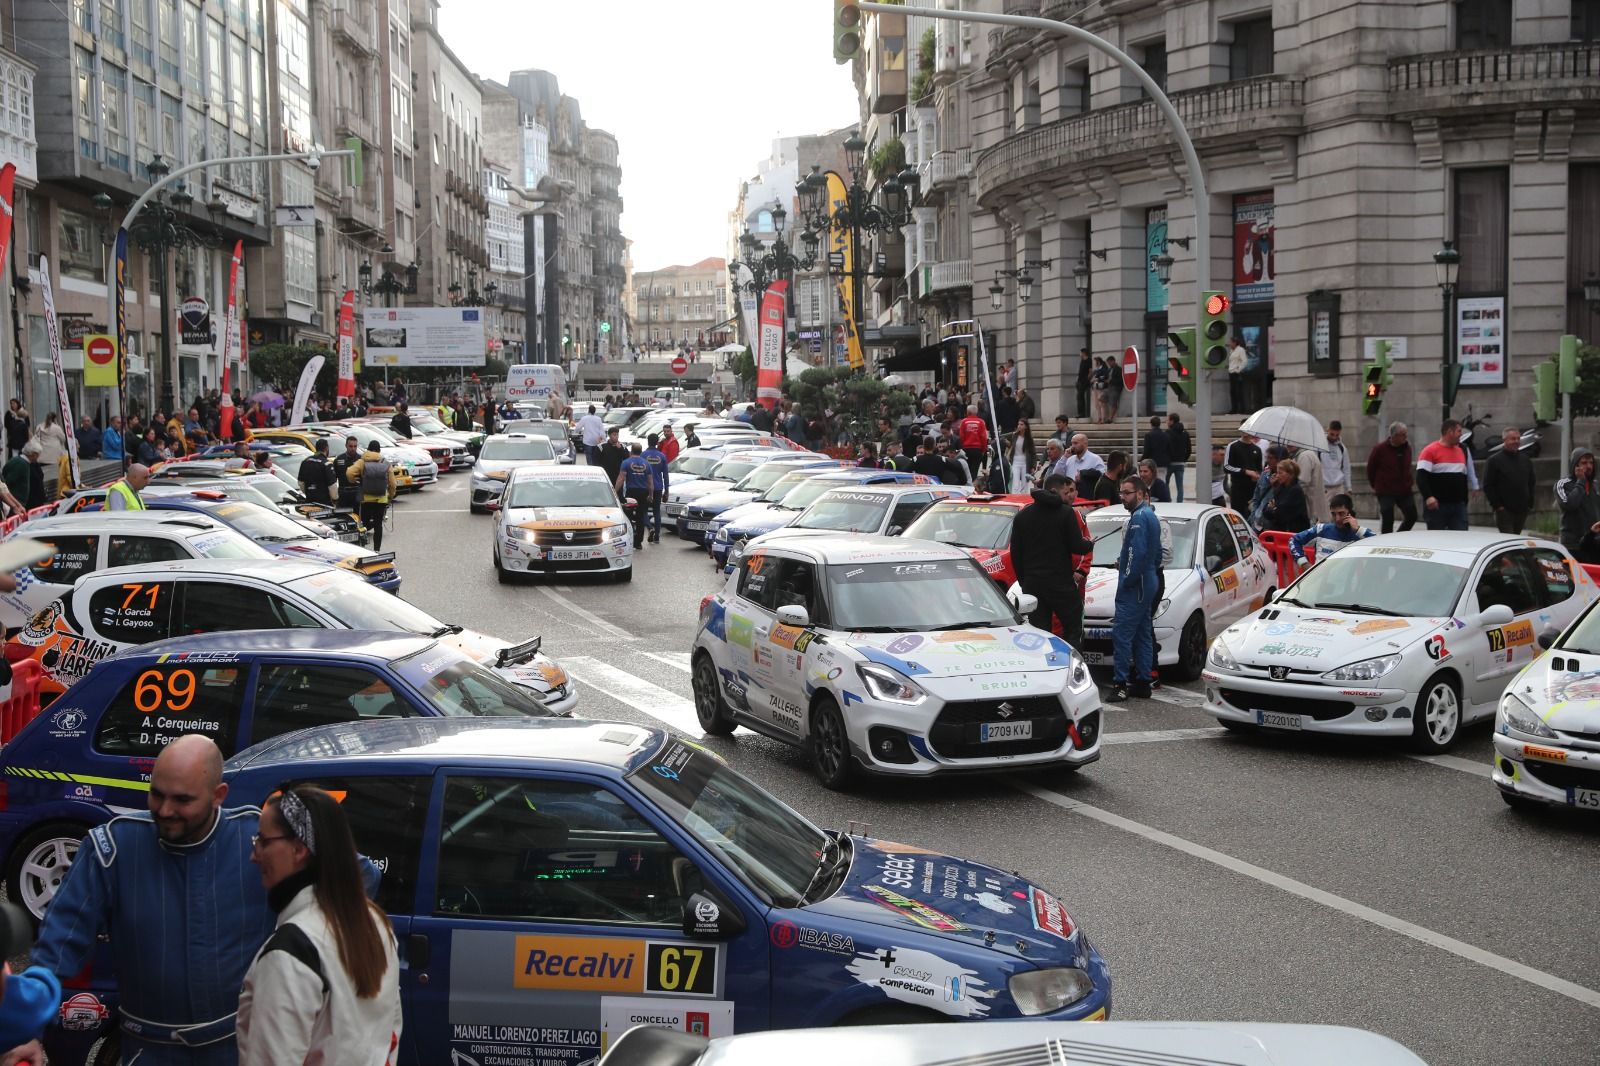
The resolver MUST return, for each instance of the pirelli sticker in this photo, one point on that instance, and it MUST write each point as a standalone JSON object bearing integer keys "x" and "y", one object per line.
{"x": 607, "y": 964}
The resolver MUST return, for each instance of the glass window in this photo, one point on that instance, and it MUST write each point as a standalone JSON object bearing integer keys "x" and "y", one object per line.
{"x": 795, "y": 585}
{"x": 113, "y": 97}
{"x": 291, "y": 696}
{"x": 168, "y": 38}
{"x": 1250, "y": 54}
{"x": 1481, "y": 222}
{"x": 968, "y": 526}
{"x": 1222, "y": 550}
{"x": 847, "y": 511}
{"x": 162, "y": 703}
{"x": 1241, "y": 533}
{"x": 755, "y": 579}
{"x": 386, "y": 816}
{"x": 1153, "y": 58}
{"x": 1482, "y": 24}
{"x": 218, "y": 607}
{"x": 908, "y": 508}
{"x": 134, "y": 551}
{"x": 1586, "y": 20}
{"x": 523, "y": 847}
{"x": 139, "y": 17}
{"x": 1552, "y": 574}
{"x": 74, "y": 557}
{"x": 1506, "y": 580}
{"x": 133, "y": 613}
{"x": 216, "y": 68}
{"x": 238, "y": 101}
{"x": 191, "y": 48}
{"x": 111, "y": 23}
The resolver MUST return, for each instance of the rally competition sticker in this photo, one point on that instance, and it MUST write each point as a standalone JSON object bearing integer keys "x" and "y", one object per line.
{"x": 925, "y": 979}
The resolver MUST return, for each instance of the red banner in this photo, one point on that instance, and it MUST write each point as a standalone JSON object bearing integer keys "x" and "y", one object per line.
{"x": 347, "y": 333}
{"x": 8, "y": 181}
{"x": 230, "y": 324}
{"x": 769, "y": 359}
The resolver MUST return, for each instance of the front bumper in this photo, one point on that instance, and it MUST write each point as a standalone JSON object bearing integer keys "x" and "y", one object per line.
{"x": 423, "y": 474}
{"x": 1309, "y": 707}
{"x": 947, "y": 738}
{"x": 486, "y": 490}
{"x": 522, "y": 557}
{"x": 1549, "y": 771}
{"x": 696, "y": 526}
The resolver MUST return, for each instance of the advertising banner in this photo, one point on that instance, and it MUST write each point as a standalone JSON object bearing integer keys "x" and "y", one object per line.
{"x": 544, "y": 383}
{"x": 53, "y": 332}
{"x": 1481, "y": 339}
{"x": 423, "y": 336}
{"x": 769, "y": 356}
{"x": 1254, "y": 247}
{"x": 8, "y": 183}
{"x": 194, "y": 321}
{"x": 302, "y": 392}
{"x": 120, "y": 312}
{"x": 347, "y": 339}
{"x": 841, "y": 245}
{"x": 230, "y": 318}
{"x": 1155, "y": 242}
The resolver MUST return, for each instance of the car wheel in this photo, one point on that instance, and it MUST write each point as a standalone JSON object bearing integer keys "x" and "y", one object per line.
{"x": 501, "y": 573}
{"x": 830, "y": 745}
{"x": 1192, "y": 649}
{"x": 473, "y": 508}
{"x": 39, "y": 864}
{"x": 1437, "y": 719}
{"x": 709, "y": 706}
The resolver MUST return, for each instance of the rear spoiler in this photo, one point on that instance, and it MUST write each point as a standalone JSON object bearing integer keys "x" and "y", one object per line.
{"x": 384, "y": 557}
{"x": 517, "y": 654}
{"x": 321, "y": 512}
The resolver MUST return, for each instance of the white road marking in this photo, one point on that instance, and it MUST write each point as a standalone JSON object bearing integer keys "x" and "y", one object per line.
{"x": 659, "y": 703}
{"x": 1460, "y": 949}
{"x": 678, "y": 660}
{"x": 589, "y": 617}
{"x": 1456, "y": 762}
{"x": 1151, "y": 735}
{"x": 1167, "y": 695}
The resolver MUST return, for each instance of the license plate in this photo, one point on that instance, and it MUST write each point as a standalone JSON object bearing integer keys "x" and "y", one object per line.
{"x": 1097, "y": 634}
{"x": 1280, "y": 721}
{"x": 697, "y": 526}
{"x": 674, "y": 510}
{"x": 1587, "y": 798}
{"x": 566, "y": 555}
{"x": 1094, "y": 658}
{"x": 1005, "y": 731}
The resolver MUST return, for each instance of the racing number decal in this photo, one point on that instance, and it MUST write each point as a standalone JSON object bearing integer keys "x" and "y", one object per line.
{"x": 682, "y": 970}
{"x": 152, "y": 687}
{"x": 134, "y": 591}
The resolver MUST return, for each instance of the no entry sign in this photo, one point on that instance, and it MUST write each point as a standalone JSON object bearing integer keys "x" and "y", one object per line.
{"x": 680, "y": 365}
{"x": 1130, "y": 367}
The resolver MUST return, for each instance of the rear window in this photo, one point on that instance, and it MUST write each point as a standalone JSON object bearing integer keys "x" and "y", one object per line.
{"x": 533, "y": 448}
{"x": 967, "y": 526}
{"x": 161, "y": 703}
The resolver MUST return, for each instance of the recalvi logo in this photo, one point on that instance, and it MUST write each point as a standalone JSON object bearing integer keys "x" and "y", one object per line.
{"x": 582, "y": 964}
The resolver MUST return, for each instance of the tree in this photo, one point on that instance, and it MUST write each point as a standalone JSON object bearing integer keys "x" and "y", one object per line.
{"x": 280, "y": 366}
{"x": 855, "y": 400}
{"x": 1586, "y": 401}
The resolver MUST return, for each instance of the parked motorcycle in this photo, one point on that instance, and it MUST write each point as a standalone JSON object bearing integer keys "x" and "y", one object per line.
{"x": 1482, "y": 442}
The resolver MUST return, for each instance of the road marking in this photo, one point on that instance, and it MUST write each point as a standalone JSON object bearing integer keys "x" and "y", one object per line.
{"x": 435, "y": 510}
{"x": 1166, "y": 695}
{"x": 1152, "y": 735}
{"x": 1456, "y": 762}
{"x": 1460, "y": 949}
{"x": 662, "y": 704}
{"x": 678, "y": 660}
{"x": 589, "y": 617}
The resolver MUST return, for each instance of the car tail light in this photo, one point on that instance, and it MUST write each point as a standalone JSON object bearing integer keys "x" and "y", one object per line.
{"x": 705, "y": 600}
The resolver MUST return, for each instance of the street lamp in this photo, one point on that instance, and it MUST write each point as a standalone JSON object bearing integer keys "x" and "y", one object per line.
{"x": 1591, "y": 291}
{"x": 1162, "y": 265}
{"x": 779, "y": 261}
{"x": 1023, "y": 278}
{"x": 1447, "y": 267}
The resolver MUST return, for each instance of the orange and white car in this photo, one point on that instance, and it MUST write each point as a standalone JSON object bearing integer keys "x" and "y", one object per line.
{"x": 561, "y": 520}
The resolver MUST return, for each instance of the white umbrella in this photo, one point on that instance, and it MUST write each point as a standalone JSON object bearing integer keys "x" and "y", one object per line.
{"x": 1288, "y": 426}
{"x": 729, "y": 348}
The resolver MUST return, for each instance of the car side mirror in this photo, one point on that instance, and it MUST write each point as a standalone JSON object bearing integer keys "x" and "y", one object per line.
{"x": 707, "y": 916}
{"x": 1548, "y": 638}
{"x": 492, "y": 505}
{"x": 792, "y": 614}
{"x": 1496, "y": 614}
{"x": 894, "y": 531}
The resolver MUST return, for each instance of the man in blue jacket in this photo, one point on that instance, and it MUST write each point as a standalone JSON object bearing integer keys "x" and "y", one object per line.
{"x": 1138, "y": 582}
{"x": 1329, "y": 537}
{"x": 658, "y": 484}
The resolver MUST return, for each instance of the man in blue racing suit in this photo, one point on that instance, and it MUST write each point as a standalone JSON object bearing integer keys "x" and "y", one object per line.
{"x": 658, "y": 483}
{"x": 1329, "y": 537}
{"x": 1138, "y": 583}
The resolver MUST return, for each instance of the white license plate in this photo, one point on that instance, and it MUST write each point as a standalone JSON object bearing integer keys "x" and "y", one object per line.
{"x": 1587, "y": 798}
{"x": 1276, "y": 720}
{"x": 674, "y": 510}
{"x": 697, "y": 526}
{"x": 1095, "y": 658}
{"x": 1097, "y": 634}
{"x": 566, "y": 555}
{"x": 1006, "y": 731}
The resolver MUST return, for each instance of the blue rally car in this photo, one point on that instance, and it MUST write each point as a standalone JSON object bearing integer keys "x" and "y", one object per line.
{"x": 753, "y": 519}
{"x": 552, "y": 882}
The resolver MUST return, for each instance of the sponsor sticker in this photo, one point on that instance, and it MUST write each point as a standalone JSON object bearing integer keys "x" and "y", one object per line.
{"x": 1049, "y": 916}
{"x": 925, "y": 979}
{"x": 917, "y": 911}
{"x": 1514, "y": 635}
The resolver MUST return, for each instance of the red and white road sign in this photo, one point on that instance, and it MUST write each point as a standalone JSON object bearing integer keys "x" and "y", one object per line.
{"x": 100, "y": 350}
{"x": 1130, "y": 367}
{"x": 680, "y": 365}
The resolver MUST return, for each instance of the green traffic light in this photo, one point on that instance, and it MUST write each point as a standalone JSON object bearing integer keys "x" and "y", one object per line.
{"x": 1545, "y": 381}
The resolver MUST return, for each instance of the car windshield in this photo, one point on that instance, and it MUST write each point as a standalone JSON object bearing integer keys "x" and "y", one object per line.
{"x": 275, "y": 491}
{"x": 466, "y": 690}
{"x": 789, "y": 482}
{"x": 533, "y": 448}
{"x": 1583, "y": 638}
{"x": 428, "y": 424}
{"x": 551, "y": 431}
{"x": 619, "y": 416}
{"x": 289, "y": 462}
{"x": 908, "y": 596}
{"x": 764, "y": 477}
{"x": 1408, "y": 582}
{"x": 693, "y": 465}
{"x": 260, "y": 521}
{"x": 366, "y": 431}
{"x": 226, "y": 544}
{"x": 846, "y": 510}
{"x": 732, "y": 469}
{"x": 770, "y": 847}
{"x": 359, "y": 605}
{"x": 805, "y": 494}
{"x": 966, "y": 525}
{"x": 561, "y": 492}
{"x": 1107, "y": 533}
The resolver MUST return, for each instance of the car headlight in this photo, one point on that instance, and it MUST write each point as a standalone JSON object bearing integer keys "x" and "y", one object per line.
{"x": 1519, "y": 716}
{"x": 617, "y": 532}
{"x": 1365, "y": 670}
{"x": 518, "y": 533}
{"x": 1044, "y": 991}
{"x": 1222, "y": 657}
{"x": 1078, "y": 679}
{"x": 1161, "y": 608}
{"x": 889, "y": 685}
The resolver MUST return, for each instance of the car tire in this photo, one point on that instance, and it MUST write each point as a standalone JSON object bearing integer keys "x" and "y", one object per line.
{"x": 500, "y": 572}
{"x": 1436, "y": 721}
{"x": 1191, "y": 649}
{"x": 709, "y": 706}
{"x": 829, "y": 745}
{"x": 45, "y": 854}
{"x": 473, "y": 508}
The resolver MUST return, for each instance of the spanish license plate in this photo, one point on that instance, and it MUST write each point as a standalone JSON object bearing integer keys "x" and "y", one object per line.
{"x": 566, "y": 555}
{"x": 1587, "y": 798}
{"x": 1276, "y": 720}
{"x": 697, "y": 527}
{"x": 990, "y": 731}
{"x": 1097, "y": 634}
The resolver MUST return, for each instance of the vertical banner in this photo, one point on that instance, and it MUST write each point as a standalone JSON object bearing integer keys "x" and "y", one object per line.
{"x": 347, "y": 337}
{"x": 120, "y": 315}
{"x": 747, "y": 308}
{"x": 8, "y": 182}
{"x": 53, "y": 332}
{"x": 841, "y": 249}
{"x": 1254, "y": 253}
{"x": 302, "y": 392}
{"x": 230, "y": 321}
{"x": 1155, "y": 243}
{"x": 769, "y": 358}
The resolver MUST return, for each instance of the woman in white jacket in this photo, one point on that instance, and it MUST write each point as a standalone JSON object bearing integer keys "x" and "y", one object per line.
{"x": 324, "y": 990}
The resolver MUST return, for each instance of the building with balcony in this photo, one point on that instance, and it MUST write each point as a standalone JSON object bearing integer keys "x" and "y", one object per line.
{"x": 506, "y": 322}
{"x": 19, "y": 145}
{"x": 1341, "y": 146}
{"x": 449, "y": 171}
{"x": 600, "y": 160}
{"x": 683, "y": 306}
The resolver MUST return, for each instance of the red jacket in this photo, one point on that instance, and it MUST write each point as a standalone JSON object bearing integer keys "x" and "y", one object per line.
{"x": 669, "y": 447}
{"x": 973, "y": 431}
{"x": 1389, "y": 469}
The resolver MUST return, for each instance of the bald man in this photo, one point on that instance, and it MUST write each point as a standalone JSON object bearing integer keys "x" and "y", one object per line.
{"x": 124, "y": 495}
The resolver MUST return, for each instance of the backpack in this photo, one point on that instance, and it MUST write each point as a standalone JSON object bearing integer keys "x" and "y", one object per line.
{"x": 375, "y": 478}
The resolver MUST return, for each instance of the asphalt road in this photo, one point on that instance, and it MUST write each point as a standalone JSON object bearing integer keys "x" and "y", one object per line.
{"x": 1249, "y": 879}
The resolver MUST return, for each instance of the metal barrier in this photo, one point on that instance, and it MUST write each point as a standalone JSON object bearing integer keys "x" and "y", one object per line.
{"x": 22, "y": 706}
{"x": 1277, "y": 545}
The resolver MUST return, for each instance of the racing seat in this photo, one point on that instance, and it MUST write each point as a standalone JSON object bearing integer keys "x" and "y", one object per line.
{"x": 482, "y": 865}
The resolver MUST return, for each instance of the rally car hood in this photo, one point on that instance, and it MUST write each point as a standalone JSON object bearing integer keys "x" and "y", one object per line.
{"x": 1100, "y": 593}
{"x": 915, "y": 890}
{"x": 541, "y": 673}
{"x": 724, "y": 500}
{"x": 564, "y": 517}
{"x": 322, "y": 550}
{"x": 759, "y": 518}
{"x": 1282, "y": 634}
{"x": 500, "y": 468}
{"x": 957, "y": 663}
{"x": 696, "y": 490}
{"x": 1567, "y": 699}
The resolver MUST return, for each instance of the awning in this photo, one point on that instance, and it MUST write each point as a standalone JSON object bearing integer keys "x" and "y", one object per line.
{"x": 924, "y": 358}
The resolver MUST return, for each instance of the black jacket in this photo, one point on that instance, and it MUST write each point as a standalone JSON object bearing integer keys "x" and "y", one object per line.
{"x": 1285, "y": 509}
{"x": 401, "y": 424}
{"x": 930, "y": 464}
{"x": 349, "y": 494}
{"x": 1097, "y": 485}
{"x": 316, "y": 477}
{"x": 1579, "y": 502}
{"x": 1044, "y": 537}
{"x": 1508, "y": 481}
{"x": 611, "y": 456}
{"x": 1178, "y": 447}
{"x": 1158, "y": 447}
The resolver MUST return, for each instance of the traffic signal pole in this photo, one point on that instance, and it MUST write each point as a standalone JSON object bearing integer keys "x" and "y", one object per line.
{"x": 1191, "y": 158}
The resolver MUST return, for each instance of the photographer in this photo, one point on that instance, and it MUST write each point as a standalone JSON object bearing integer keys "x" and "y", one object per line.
{"x": 1329, "y": 537}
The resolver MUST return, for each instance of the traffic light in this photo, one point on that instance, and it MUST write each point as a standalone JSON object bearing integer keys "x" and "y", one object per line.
{"x": 1545, "y": 380}
{"x": 1376, "y": 377}
{"x": 1214, "y": 330}
{"x": 566, "y": 335}
{"x": 1180, "y": 363}
{"x": 605, "y": 327}
{"x": 1567, "y": 376}
{"x": 846, "y": 30}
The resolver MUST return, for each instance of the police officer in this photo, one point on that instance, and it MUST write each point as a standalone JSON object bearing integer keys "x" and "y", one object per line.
{"x": 658, "y": 484}
{"x": 634, "y": 482}
{"x": 348, "y": 497}
{"x": 316, "y": 476}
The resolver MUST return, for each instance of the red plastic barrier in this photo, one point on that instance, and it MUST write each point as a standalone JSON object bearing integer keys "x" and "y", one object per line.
{"x": 22, "y": 706}
{"x": 1277, "y": 545}
{"x": 1592, "y": 570}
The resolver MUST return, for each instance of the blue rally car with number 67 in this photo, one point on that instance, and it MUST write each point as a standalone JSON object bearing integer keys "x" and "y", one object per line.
{"x": 554, "y": 882}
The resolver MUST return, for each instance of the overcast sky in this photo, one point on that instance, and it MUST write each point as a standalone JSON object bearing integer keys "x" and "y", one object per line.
{"x": 694, "y": 91}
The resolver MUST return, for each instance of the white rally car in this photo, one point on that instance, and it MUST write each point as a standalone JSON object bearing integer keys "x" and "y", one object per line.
{"x": 895, "y": 655}
{"x": 1218, "y": 574}
{"x": 560, "y": 520}
{"x": 1547, "y": 732}
{"x": 1410, "y": 634}
{"x": 501, "y": 454}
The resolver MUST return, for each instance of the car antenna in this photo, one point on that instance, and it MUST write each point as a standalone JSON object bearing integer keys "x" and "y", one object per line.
{"x": 854, "y": 828}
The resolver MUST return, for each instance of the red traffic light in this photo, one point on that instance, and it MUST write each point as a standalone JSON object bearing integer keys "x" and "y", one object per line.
{"x": 1216, "y": 304}
{"x": 1174, "y": 363}
{"x": 1374, "y": 390}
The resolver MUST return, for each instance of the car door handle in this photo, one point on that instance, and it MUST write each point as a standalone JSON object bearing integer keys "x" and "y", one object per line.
{"x": 419, "y": 949}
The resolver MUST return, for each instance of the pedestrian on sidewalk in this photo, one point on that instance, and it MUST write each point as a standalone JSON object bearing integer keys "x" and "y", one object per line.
{"x": 1179, "y": 448}
{"x": 1445, "y": 478}
{"x": 1242, "y": 463}
{"x": 1335, "y": 464}
{"x": 1578, "y": 498}
{"x": 1508, "y": 482}
{"x": 19, "y": 427}
{"x": 1389, "y": 472}
{"x": 1158, "y": 448}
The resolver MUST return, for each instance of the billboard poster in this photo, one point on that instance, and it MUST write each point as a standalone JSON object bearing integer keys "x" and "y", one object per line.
{"x": 1254, "y": 247}
{"x": 1481, "y": 339}
{"x": 1155, "y": 243}
{"x": 423, "y": 336}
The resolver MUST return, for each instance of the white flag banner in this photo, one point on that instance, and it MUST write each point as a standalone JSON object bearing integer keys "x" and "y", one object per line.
{"x": 53, "y": 332}
{"x": 302, "y": 392}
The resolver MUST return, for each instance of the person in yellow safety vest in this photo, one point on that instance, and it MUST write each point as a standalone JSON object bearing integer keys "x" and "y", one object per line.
{"x": 375, "y": 478}
{"x": 124, "y": 495}
{"x": 65, "y": 486}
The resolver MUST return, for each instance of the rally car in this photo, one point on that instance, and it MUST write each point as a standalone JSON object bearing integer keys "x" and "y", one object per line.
{"x": 896, "y": 656}
{"x": 560, "y": 520}
{"x": 981, "y": 524}
{"x": 874, "y": 509}
{"x": 1547, "y": 730}
{"x": 1409, "y": 634}
{"x": 554, "y": 432}
{"x": 728, "y": 472}
{"x": 442, "y": 452}
{"x": 499, "y": 456}
{"x": 695, "y": 520}
{"x": 411, "y": 467}
{"x": 88, "y": 757}
{"x": 551, "y": 883}
{"x": 788, "y": 498}
{"x": 1219, "y": 573}
{"x": 426, "y": 458}
{"x": 112, "y": 610}
{"x": 465, "y": 442}
{"x": 85, "y": 543}
{"x": 273, "y": 486}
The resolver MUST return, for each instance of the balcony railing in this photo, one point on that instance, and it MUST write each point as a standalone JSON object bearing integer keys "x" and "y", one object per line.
{"x": 18, "y": 141}
{"x": 949, "y": 167}
{"x": 1544, "y": 73}
{"x": 355, "y": 208}
{"x": 356, "y": 30}
{"x": 352, "y": 123}
{"x": 945, "y": 276}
